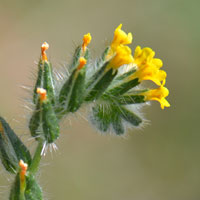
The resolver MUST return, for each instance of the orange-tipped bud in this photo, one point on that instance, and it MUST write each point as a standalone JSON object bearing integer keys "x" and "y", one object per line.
{"x": 43, "y": 94}
{"x": 44, "y": 47}
{"x": 23, "y": 171}
{"x": 82, "y": 63}
{"x": 86, "y": 40}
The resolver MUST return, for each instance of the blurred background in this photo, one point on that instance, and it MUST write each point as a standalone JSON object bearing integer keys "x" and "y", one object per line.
{"x": 159, "y": 162}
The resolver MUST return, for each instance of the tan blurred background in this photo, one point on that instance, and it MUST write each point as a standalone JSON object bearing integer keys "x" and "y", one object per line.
{"x": 160, "y": 162}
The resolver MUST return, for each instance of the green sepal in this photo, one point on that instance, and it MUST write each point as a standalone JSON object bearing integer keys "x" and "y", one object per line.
{"x": 65, "y": 94}
{"x": 15, "y": 193}
{"x": 49, "y": 122}
{"x": 71, "y": 93}
{"x": 86, "y": 55}
{"x": 33, "y": 190}
{"x": 130, "y": 99}
{"x": 95, "y": 77}
{"x": 129, "y": 116}
{"x": 78, "y": 90}
{"x": 125, "y": 99}
{"x": 35, "y": 121}
{"x": 125, "y": 75}
{"x": 101, "y": 85}
{"x": 78, "y": 85}
{"x": 76, "y": 56}
{"x": 107, "y": 115}
{"x": 12, "y": 150}
{"x": 38, "y": 81}
{"x": 102, "y": 59}
{"x": 117, "y": 123}
{"x": 123, "y": 87}
{"x": 101, "y": 116}
{"x": 48, "y": 81}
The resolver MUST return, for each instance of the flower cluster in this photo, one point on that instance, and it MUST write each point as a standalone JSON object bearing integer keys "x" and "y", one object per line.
{"x": 109, "y": 86}
{"x": 147, "y": 67}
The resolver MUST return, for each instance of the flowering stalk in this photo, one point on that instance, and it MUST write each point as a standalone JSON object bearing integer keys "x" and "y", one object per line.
{"x": 109, "y": 84}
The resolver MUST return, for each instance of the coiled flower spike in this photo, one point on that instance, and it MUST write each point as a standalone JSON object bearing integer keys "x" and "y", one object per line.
{"x": 111, "y": 89}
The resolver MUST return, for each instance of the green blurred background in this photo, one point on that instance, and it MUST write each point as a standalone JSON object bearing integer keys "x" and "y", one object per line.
{"x": 159, "y": 162}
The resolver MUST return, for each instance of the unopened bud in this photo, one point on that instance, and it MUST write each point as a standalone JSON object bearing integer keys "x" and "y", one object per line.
{"x": 44, "y": 47}
{"x": 23, "y": 167}
{"x": 86, "y": 40}
{"x": 82, "y": 63}
{"x": 43, "y": 94}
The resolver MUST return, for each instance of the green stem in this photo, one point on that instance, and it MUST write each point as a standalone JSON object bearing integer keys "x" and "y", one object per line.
{"x": 36, "y": 158}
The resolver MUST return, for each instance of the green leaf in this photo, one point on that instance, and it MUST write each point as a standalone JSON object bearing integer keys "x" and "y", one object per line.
{"x": 12, "y": 150}
{"x": 7, "y": 154}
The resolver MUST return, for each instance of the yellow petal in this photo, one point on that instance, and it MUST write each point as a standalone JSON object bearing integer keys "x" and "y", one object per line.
{"x": 150, "y": 72}
{"x": 159, "y": 95}
{"x": 157, "y": 62}
{"x": 123, "y": 56}
{"x": 146, "y": 56}
{"x": 121, "y": 38}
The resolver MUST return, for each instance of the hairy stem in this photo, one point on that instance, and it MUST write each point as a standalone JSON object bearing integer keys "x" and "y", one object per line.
{"x": 36, "y": 158}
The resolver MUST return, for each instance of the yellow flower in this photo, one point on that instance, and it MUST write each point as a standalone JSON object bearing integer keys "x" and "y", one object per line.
{"x": 148, "y": 67}
{"x": 150, "y": 72}
{"x": 120, "y": 38}
{"x": 122, "y": 56}
{"x": 146, "y": 56}
{"x": 159, "y": 95}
